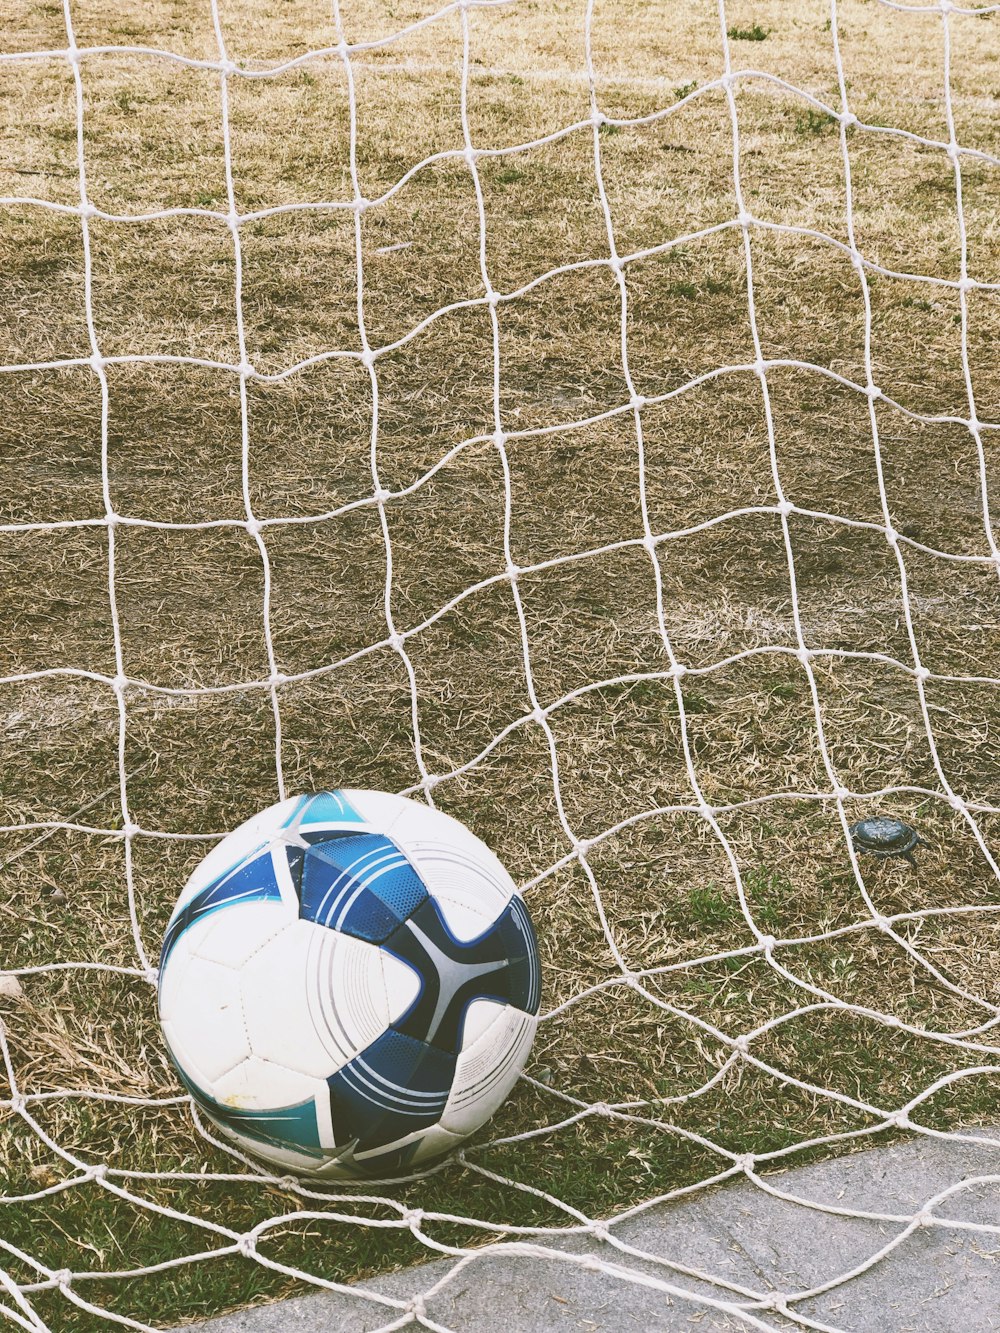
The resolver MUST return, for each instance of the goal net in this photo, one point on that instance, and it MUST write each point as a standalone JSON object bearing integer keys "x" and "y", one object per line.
{"x": 578, "y": 417}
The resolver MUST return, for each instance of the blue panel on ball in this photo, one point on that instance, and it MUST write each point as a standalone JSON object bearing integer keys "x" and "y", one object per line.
{"x": 292, "y": 1127}
{"x": 524, "y": 976}
{"x": 252, "y": 879}
{"x": 358, "y": 883}
{"x": 395, "y": 1086}
{"x": 500, "y": 964}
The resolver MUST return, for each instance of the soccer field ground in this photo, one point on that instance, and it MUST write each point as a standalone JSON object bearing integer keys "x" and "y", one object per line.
{"x": 583, "y": 417}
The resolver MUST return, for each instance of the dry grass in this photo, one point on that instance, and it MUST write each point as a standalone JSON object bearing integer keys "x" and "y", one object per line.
{"x": 190, "y": 601}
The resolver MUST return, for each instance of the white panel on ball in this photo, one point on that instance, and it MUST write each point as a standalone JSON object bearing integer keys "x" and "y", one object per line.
{"x": 281, "y": 1021}
{"x": 261, "y": 1085}
{"x": 207, "y": 1031}
{"x": 401, "y": 986}
{"x": 231, "y": 938}
{"x": 468, "y": 882}
{"x": 487, "y": 1070}
{"x": 331, "y": 1003}
{"x": 173, "y": 984}
{"x": 479, "y": 1017}
{"x": 380, "y": 809}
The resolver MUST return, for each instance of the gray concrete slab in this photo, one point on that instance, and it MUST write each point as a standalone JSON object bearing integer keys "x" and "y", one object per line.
{"x": 943, "y": 1275}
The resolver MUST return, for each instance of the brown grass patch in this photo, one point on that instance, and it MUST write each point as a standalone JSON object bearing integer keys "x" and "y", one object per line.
{"x": 578, "y": 464}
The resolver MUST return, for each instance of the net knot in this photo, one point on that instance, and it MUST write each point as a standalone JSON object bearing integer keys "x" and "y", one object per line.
{"x": 921, "y": 673}
{"x": 247, "y": 1245}
{"x": 537, "y": 715}
{"x": 967, "y": 284}
{"x": 805, "y": 656}
{"x": 96, "y": 363}
{"x": 873, "y": 392}
{"x": 396, "y": 641}
{"x": 228, "y": 67}
{"x": 744, "y": 219}
{"x": 956, "y": 802}
{"x": 415, "y": 1306}
{"x": 246, "y": 370}
{"x": 901, "y": 1120}
{"x": 381, "y": 495}
{"x": 601, "y": 1108}
{"x": 581, "y": 846}
{"x": 254, "y": 527}
{"x": 848, "y": 118}
{"x": 413, "y": 1217}
{"x": 119, "y": 683}
{"x": 767, "y": 942}
{"x": 841, "y": 793}
{"x": 62, "y": 1277}
{"x": 638, "y": 401}
{"x": 277, "y": 678}
{"x": 745, "y": 1162}
{"x": 679, "y": 671}
{"x": 153, "y": 975}
{"x": 784, "y": 507}
{"x": 882, "y": 923}
{"x": 600, "y": 1232}
{"x": 924, "y": 1218}
{"x": 742, "y": 1044}
{"x": 18, "y": 1103}
{"x": 88, "y": 210}
{"x": 97, "y": 1172}
{"x": 892, "y": 536}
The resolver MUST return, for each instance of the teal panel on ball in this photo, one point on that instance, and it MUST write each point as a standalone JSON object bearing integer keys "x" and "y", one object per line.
{"x": 285, "y": 1126}
{"x": 329, "y": 807}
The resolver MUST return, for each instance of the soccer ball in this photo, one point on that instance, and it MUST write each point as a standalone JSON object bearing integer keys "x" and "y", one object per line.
{"x": 349, "y": 985}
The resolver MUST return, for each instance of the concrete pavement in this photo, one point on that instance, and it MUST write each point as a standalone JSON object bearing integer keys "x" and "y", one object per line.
{"x": 941, "y": 1278}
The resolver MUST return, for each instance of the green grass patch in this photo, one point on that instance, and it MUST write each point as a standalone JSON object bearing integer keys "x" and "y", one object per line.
{"x": 755, "y": 33}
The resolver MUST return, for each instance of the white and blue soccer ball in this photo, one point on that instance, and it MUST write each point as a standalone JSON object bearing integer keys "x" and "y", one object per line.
{"x": 349, "y": 985}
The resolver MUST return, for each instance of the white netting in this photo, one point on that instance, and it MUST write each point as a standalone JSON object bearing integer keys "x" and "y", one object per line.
{"x": 968, "y": 1044}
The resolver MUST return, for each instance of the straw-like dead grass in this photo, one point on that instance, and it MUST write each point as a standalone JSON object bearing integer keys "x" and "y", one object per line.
{"x": 190, "y": 602}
